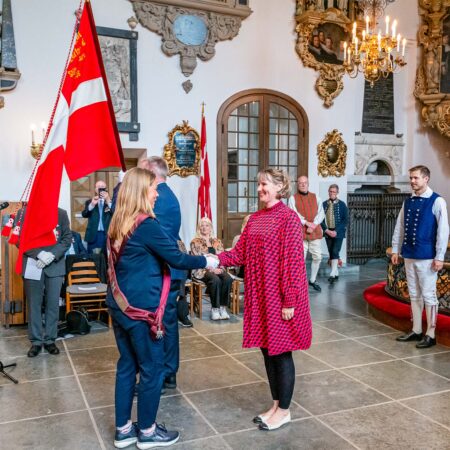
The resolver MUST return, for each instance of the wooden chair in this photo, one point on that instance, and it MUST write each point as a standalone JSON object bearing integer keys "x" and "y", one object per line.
{"x": 85, "y": 289}
{"x": 235, "y": 293}
{"x": 196, "y": 297}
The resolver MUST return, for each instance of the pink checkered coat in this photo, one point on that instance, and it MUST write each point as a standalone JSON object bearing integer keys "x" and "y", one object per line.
{"x": 271, "y": 249}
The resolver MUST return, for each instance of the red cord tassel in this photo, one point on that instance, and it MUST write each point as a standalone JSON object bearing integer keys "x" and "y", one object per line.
{"x": 14, "y": 239}
{"x": 6, "y": 231}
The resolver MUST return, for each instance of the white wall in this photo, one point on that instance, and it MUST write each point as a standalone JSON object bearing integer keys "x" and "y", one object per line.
{"x": 261, "y": 56}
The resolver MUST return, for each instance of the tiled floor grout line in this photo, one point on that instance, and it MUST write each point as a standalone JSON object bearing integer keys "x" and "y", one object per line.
{"x": 26, "y": 419}
{"x": 38, "y": 379}
{"x": 426, "y": 370}
{"x": 94, "y": 423}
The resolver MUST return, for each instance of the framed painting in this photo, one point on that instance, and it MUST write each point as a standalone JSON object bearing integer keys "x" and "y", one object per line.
{"x": 119, "y": 52}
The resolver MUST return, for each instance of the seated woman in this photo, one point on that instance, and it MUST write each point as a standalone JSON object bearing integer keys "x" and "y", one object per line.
{"x": 240, "y": 269}
{"x": 218, "y": 281}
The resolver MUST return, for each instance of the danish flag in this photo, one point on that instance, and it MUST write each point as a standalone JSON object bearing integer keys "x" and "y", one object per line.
{"x": 82, "y": 136}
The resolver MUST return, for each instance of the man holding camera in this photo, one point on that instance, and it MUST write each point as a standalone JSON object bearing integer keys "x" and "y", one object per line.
{"x": 98, "y": 212}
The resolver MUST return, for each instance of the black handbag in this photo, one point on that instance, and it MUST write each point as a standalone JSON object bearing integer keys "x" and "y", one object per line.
{"x": 78, "y": 322}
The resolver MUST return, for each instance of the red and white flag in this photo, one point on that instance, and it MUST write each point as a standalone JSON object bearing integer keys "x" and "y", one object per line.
{"x": 204, "y": 198}
{"x": 82, "y": 136}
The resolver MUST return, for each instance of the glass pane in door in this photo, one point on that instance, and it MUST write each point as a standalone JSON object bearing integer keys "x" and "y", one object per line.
{"x": 243, "y": 158}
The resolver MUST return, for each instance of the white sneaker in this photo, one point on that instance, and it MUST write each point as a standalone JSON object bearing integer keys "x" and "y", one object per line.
{"x": 215, "y": 314}
{"x": 223, "y": 313}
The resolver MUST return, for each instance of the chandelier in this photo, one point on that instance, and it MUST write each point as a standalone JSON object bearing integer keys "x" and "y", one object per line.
{"x": 374, "y": 54}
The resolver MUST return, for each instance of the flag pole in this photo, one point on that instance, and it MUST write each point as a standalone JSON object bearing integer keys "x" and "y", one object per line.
{"x": 200, "y": 169}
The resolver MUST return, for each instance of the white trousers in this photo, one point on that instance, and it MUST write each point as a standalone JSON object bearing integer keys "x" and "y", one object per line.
{"x": 421, "y": 281}
{"x": 315, "y": 249}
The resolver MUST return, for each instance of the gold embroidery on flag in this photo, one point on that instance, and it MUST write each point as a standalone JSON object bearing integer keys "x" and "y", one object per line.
{"x": 78, "y": 55}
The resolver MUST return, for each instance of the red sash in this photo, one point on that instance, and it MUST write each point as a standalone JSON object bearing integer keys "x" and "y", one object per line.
{"x": 154, "y": 319}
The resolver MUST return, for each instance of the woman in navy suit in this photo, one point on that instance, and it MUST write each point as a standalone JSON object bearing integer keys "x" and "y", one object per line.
{"x": 137, "y": 250}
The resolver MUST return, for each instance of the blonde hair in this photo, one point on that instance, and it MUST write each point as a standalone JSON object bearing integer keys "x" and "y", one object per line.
{"x": 206, "y": 220}
{"x": 133, "y": 199}
{"x": 277, "y": 176}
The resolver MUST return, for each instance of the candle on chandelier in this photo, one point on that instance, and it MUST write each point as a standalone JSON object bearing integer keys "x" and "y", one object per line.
{"x": 387, "y": 25}
{"x": 379, "y": 40}
{"x": 404, "y": 46}
{"x": 33, "y": 129}
{"x": 354, "y": 30}
{"x": 367, "y": 24}
{"x": 345, "y": 49}
{"x": 356, "y": 45}
{"x": 399, "y": 38}
{"x": 364, "y": 35}
{"x": 394, "y": 27}
{"x": 349, "y": 53}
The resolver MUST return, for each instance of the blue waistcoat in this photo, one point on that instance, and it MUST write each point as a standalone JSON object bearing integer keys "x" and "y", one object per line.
{"x": 420, "y": 227}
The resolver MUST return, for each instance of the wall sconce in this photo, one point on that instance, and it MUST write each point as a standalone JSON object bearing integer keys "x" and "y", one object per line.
{"x": 36, "y": 147}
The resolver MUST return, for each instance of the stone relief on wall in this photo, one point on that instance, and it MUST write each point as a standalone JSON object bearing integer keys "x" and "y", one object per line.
{"x": 433, "y": 74}
{"x": 191, "y": 28}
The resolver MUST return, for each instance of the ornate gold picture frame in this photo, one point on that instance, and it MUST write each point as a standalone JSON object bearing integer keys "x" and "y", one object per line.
{"x": 333, "y": 26}
{"x": 182, "y": 153}
{"x": 332, "y": 155}
{"x": 433, "y": 74}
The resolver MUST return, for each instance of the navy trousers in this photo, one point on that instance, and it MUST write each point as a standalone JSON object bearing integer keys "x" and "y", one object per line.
{"x": 138, "y": 354}
{"x": 334, "y": 246}
{"x": 99, "y": 242}
{"x": 171, "y": 337}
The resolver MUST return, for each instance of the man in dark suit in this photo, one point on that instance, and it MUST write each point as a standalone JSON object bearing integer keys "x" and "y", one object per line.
{"x": 98, "y": 212}
{"x": 167, "y": 210}
{"x": 43, "y": 272}
{"x": 76, "y": 247}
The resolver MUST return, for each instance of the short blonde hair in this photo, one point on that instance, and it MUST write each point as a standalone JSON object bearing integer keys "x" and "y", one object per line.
{"x": 132, "y": 200}
{"x": 276, "y": 176}
{"x": 204, "y": 220}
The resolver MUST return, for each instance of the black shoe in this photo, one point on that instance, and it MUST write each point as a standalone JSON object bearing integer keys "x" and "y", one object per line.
{"x": 52, "y": 349}
{"x": 159, "y": 438}
{"x": 186, "y": 323}
{"x": 426, "y": 342}
{"x": 331, "y": 280}
{"x": 170, "y": 382}
{"x": 34, "y": 351}
{"x": 122, "y": 440}
{"x": 315, "y": 286}
{"x": 411, "y": 336}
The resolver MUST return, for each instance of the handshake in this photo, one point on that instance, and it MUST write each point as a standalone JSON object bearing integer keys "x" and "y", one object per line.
{"x": 44, "y": 259}
{"x": 212, "y": 261}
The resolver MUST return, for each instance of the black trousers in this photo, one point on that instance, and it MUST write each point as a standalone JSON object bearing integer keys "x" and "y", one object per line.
{"x": 281, "y": 374}
{"x": 219, "y": 288}
{"x": 334, "y": 246}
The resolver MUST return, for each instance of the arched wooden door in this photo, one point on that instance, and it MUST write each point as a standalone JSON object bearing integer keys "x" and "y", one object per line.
{"x": 256, "y": 129}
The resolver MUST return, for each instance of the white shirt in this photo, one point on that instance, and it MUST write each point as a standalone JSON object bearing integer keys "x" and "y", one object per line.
{"x": 319, "y": 216}
{"x": 440, "y": 212}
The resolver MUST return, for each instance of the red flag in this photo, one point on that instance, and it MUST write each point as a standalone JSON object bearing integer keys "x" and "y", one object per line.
{"x": 82, "y": 136}
{"x": 204, "y": 198}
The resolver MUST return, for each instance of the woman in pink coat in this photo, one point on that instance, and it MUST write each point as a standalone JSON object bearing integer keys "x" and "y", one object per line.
{"x": 276, "y": 306}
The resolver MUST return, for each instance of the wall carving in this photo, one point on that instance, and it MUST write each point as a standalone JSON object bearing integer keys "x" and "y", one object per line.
{"x": 332, "y": 155}
{"x": 433, "y": 74}
{"x": 191, "y": 28}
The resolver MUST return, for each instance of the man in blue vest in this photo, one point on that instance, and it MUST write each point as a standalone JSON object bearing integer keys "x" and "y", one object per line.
{"x": 421, "y": 237}
{"x": 167, "y": 210}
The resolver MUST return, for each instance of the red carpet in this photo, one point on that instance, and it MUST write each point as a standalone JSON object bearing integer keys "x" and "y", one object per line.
{"x": 397, "y": 314}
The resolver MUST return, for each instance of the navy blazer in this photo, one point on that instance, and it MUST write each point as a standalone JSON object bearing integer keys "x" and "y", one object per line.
{"x": 140, "y": 268}
{"x": 93, "y": 217}
{"x": 340, "y": 218}
{"x": 168, "y": 213}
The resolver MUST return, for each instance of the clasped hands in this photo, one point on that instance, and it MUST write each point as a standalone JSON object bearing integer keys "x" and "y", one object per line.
{"x": 212, "y": 261}
{"x": 44, "y": 259}
{"x": 310, "y": 227}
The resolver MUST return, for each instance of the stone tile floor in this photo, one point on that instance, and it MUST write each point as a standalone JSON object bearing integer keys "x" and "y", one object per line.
{"x": 356, "y": 387}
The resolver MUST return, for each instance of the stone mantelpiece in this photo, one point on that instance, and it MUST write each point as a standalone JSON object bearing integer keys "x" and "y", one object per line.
{"x": 400, "y": 182}
{"x": 379, "y": 147}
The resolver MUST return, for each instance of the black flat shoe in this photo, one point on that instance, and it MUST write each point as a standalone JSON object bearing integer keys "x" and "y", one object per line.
{"x": 34, "y": 351}
{"x": 315, "y": 286}
{"x": 52, "y": 349}
{"x": 170, "y": 382}
{"x": 426, "y": 342}
{"x": 411, "y": 336}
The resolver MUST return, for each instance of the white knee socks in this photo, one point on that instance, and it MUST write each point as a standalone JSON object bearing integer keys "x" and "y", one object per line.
{"x": 314, "y": 270}
{"x": 334, "y": 268}
{"x": 417, "y": 309}
{"x": 431, "y": 312}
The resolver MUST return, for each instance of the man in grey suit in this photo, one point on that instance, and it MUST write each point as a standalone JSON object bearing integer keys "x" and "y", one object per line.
{"x": 43, "y": 273}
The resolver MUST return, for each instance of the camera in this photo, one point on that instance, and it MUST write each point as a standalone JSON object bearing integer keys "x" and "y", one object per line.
{"x": 100, "y": 190}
